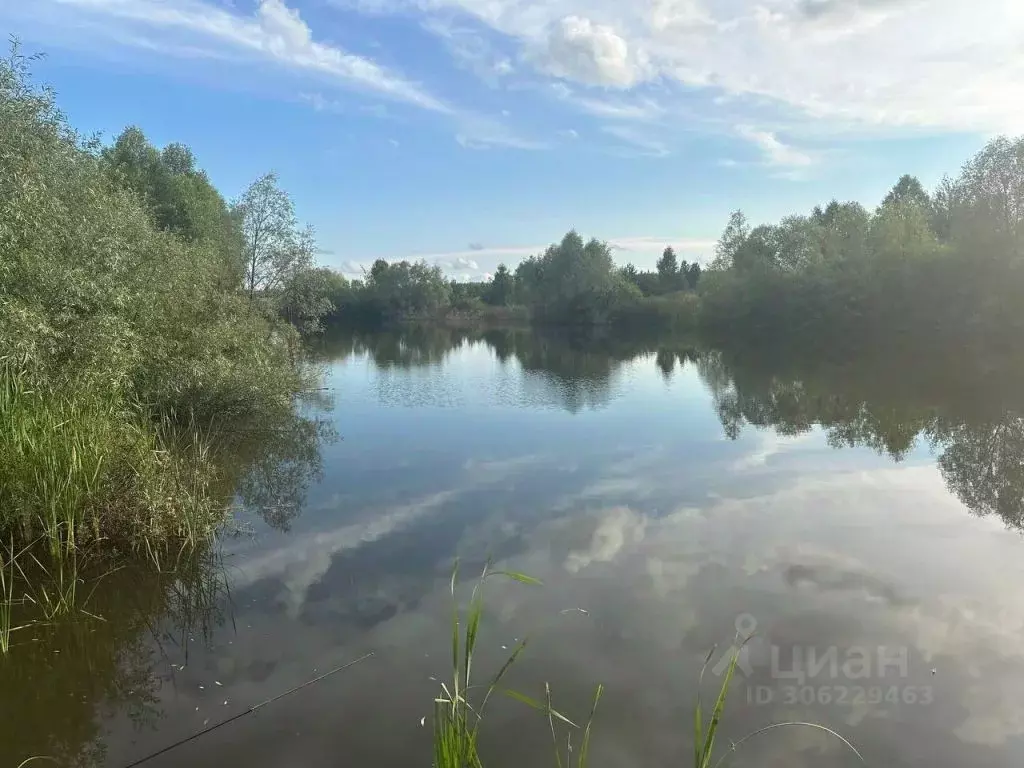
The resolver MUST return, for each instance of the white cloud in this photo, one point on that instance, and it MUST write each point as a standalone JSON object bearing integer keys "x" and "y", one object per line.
{"x": 681, "y": 245}
{"x": 458, "y": 264}
{"x": 483, "y": 132}
{"x": 617, "y": 528}
{"x": 320, "y": 103}
{"x": 775, "y": 152}
{"x": 579, "y": 49}
{"x": 667, "y": 15}
{"x": 616, "y": 109}
{"x": 471, "y": 50}
{"x": 353, "y": 269}
{"x": 275, "y": 32}
{"x": 648, "y": 145}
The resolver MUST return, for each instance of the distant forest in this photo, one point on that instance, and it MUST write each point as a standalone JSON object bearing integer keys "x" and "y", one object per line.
{"x": 946, "y": 265}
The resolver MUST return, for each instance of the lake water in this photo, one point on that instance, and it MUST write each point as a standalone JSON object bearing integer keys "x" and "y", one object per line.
{"x": 861, "y": 517}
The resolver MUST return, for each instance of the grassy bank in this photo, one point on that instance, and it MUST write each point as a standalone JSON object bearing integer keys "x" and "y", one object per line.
{"x": 82, "y": 463}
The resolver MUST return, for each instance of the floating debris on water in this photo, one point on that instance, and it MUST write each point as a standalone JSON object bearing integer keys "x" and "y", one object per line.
{"x": 423, "y": 721}
{"x": 584, "y": 611}
{"x": 218, "y": 682}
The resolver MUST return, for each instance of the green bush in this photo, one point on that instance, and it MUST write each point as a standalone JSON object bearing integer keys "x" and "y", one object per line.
{"x": 673, "y": 312}
{"x": 113, "y": 325}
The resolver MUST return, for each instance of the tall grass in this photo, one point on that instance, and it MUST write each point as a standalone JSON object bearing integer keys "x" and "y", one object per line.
{"x": 9, "y": 556}
{"x": 457, "y": 721}
{"x": 80, "y": 462}
{"x": 459, "y": 709}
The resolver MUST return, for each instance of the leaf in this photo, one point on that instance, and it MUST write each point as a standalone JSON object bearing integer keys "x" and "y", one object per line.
{"x": 539, "y": 706}
{"x": 520, "y": 577}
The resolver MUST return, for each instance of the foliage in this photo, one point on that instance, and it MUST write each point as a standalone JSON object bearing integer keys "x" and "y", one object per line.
{"x": 273, "y": 244}
{"x": 405, "y": 289}
{"x": 502, "y": 284}
{"x": 667, "y": 266}
{"x": 574, "y": 282}
{"x": 121, "y": 314}
{"x": 948, "y": 264}
{"x": 670, "y": 313}
{"x": 178, "y": 196}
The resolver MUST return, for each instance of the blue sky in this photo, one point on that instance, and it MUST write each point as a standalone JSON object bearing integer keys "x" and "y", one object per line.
{"x": 470, "y": 132}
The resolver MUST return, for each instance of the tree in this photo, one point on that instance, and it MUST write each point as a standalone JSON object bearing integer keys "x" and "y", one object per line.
{"x": 667, "y": 267}
{"x": 406, "y": 288}
{"x": 693, "y": 276}
{"x": 529, "y": 276}
{"x": 732, "y": 239}
{"x": 902, "y": 230}
{"x": 137, "y": 165}
{"x": 274, "y": 246}
{"x": 179, "y": 197}
{"x": 178, "y": 159}
{"x": 945, "y": 204}
{"x": 908, "y": 191}
{"x": 574, "y": 281}
{"x": 990, "y": 199}
{"x": 502, "y": 285}
{"x": 760, "y": 249}
{"x": 305, "y": 296}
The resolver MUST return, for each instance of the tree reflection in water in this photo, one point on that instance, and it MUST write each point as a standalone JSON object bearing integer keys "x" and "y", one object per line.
{"x": 969, "y": 410}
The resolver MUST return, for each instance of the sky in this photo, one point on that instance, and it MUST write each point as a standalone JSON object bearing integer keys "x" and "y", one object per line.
{"x": 473, "y": 132}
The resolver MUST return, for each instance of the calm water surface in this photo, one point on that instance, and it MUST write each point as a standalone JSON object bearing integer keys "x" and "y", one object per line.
{"x": 863, "y": 517}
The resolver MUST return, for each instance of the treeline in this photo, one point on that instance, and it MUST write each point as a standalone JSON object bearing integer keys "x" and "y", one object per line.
{"x": 137, "y": 307}
{"x": 572, "y": 283}
{"x": 942, "y": 266}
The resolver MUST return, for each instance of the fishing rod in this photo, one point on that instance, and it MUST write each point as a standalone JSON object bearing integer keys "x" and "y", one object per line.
{"x": 249, "y": 711}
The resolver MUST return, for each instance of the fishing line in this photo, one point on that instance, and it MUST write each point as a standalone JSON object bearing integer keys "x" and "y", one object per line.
{"x": 249, "y": 711}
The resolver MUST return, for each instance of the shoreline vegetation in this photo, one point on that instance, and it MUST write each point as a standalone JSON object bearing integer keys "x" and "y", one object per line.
{"x": 943, "y": 269}
{"x": 147, "y": 327}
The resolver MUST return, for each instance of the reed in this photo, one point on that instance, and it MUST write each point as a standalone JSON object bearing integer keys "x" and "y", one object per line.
{"x": 81, "y": 462}
{"x": 6, "y": 598}
{"x": 459, "y": 709}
